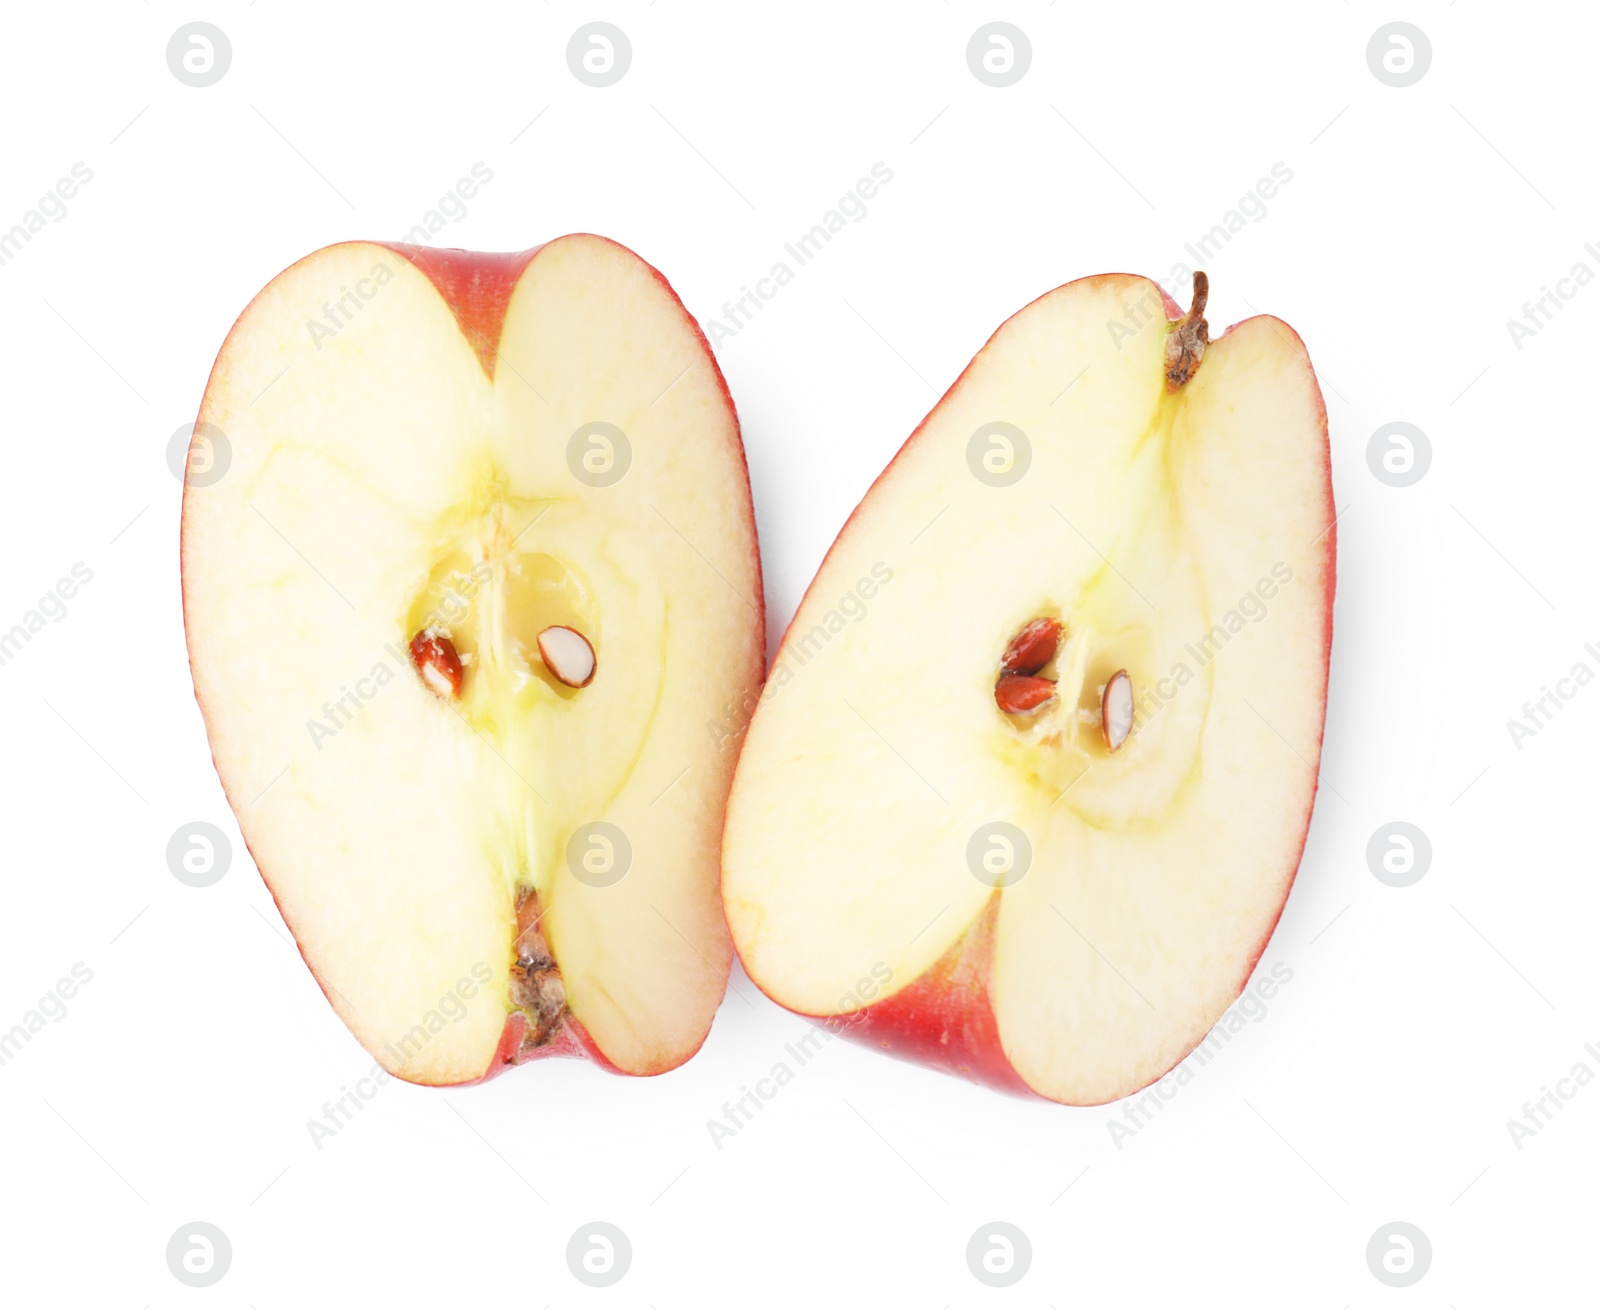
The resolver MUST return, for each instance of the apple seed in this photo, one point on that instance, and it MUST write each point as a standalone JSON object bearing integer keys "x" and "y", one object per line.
{"x": 568, "y": 655}
{"x": 1032, "y": 648}
{"x": 1019, "y": 693}
{"x": 1116, "y": 709}
{"x": 435, "y": 656}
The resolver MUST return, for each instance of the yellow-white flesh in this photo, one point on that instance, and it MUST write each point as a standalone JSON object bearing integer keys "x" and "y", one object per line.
{"x": 1145, "y": 521}
{"x": 381, "y": 483}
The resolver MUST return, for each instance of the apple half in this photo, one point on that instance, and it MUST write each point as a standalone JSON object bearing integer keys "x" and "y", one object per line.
{"x": 469, "y": 564}
{"x": 1032, "y": 813}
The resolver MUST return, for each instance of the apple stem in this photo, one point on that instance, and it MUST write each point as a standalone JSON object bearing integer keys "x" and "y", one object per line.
{"x": 1186, "y": 346}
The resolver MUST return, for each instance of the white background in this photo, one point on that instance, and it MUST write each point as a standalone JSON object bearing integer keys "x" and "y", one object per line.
{"x": 1419, "y": 1020}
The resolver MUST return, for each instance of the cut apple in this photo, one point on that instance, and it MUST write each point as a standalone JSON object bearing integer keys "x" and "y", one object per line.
{"x": 459, "y": 484}
{"x": 1055, "y": 783}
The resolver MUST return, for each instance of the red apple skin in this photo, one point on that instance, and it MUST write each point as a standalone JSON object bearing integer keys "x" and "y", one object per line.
{"x": 477, "y": 286}
{"x": 945, "y": 1019}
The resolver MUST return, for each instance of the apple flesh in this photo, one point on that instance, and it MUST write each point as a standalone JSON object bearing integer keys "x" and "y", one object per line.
{"x": 1055, "y": 784}
{"x": 451, "y": 475}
